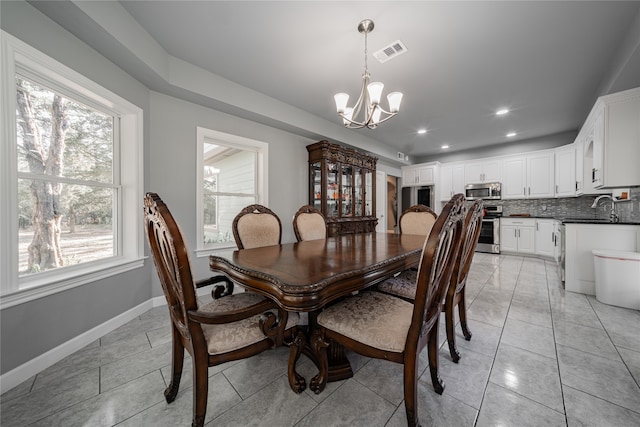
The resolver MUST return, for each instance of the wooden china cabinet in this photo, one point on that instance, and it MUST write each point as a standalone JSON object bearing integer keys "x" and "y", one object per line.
{"x": 342, "y": 184}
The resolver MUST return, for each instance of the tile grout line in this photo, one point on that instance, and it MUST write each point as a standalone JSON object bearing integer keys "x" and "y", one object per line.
{"x": 495, "y": 355}
{"x": 555, "y": 347}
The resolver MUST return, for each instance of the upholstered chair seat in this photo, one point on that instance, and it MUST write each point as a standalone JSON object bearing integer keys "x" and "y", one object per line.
{"x": 418, "y": 220}
{"x": 372, "y": 318}
{"x": 402, "y": 285}
{"x": 227, "y": 337}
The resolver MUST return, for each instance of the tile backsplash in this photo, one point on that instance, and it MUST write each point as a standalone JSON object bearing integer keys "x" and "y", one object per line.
{"x": 573, "y": 207}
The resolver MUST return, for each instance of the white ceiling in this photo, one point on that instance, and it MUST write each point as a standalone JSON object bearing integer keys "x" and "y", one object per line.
{"x": 546, "y": 61}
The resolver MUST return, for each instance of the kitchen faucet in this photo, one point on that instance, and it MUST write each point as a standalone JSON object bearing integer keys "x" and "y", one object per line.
{"x": 613, "y": 217}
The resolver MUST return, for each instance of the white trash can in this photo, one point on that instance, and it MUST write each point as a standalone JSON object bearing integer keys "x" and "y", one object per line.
{"x": 617, "y": 277}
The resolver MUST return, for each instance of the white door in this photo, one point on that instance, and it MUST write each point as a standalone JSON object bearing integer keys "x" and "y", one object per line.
{"x": 381, "y": 201}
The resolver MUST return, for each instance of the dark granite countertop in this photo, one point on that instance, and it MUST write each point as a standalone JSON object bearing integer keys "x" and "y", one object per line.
{"x": 574, "y": 220}
{"x": 595, "y": 221}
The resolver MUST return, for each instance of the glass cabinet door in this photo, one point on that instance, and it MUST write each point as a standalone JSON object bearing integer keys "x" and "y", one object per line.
{"x": 333, "y": 181}
{"x": 347, "y": 190}
{"x": 368, "y": 194}
{"x": 316, "y": 185}
{"x": 358, "y": 193}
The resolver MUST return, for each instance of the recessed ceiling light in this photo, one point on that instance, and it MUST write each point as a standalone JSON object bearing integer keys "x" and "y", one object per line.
{"x": 511, "y": 134}
{"x": 444, "y": 147}
{"x": 502, "y": 112}
{"x": 422, "y": 131}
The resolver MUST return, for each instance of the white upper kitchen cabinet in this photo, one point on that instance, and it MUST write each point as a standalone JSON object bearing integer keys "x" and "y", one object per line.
{"x": 486, "y": 170}
{"x": 529, "y": 176}
{"x": 421, "y": 174}
{"x": 579, "y": 162}
{"x": 565, "y": 165}
{"x": 584, "y": 166}
{"x": 612, "y": 138}
{"x": 451, "y": 180}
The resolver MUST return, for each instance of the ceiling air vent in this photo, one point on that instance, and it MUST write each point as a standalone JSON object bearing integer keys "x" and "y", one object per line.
{"x": 400, "y": 156}
{"x": 389, "y": 52}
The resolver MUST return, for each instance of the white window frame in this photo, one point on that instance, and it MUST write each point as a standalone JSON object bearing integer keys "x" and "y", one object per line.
{"x": 129, "y": 242}
{"x": 262, "y": 177}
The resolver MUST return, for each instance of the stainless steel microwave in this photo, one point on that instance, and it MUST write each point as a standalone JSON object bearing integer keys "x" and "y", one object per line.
{"x": 485, "y": 191}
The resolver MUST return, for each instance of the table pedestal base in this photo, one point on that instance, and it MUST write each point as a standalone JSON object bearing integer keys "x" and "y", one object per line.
{"x": 339, "y": 367}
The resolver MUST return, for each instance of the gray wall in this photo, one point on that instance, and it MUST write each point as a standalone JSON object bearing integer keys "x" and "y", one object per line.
{"x": 30, "y": 329}
{"x": 173, "y": 164}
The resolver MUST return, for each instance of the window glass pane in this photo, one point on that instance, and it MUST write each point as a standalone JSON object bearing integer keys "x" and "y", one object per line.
{"x": 228, "y": 208}
{"x": 61, "y": 137}
{"x": 234, "y": 169}
{"x": 67, "y": 225}
{"x": 229, "y": 185}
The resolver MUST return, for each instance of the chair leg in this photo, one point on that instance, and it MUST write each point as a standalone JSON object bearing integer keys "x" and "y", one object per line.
{"x": 177, "y": 361}
{"x": 411, "y": 390}
{"x": 432, "y": 346}
{"x": 296, "y": 381}
{"x": 319, "y": 347}
{"x": 450, "y": 326}
{"x": 200, "y": 389}
{"x": 462, "y": 312}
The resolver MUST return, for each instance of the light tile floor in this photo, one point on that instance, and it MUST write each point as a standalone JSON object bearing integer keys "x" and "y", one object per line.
{"x": 539, "y": 356}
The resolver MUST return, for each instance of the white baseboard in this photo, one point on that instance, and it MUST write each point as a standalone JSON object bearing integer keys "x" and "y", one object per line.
{"x": 38, "y": 364}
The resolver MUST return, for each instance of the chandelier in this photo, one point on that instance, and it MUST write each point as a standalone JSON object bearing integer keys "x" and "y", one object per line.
{"x": 367, "y": 112}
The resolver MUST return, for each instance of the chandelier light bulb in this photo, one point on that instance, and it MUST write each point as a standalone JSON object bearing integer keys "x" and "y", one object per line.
{"x": 394, "y": 99}
{"x": 341, "y": 101}
{"x": 375, "y": 92}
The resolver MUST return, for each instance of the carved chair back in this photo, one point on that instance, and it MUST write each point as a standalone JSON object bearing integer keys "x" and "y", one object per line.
{"x": 171, "y": 258}
{"x": 256, "y": 226}
{"x": 309, "y": 224}
{"x": 434, "y": 272}
{"x": 418, "y": 219}
{"x": 470, "y": 236}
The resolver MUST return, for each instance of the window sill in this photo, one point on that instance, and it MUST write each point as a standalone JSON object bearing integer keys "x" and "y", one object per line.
{"x": 200, "y": 253}
{"x": 49, "y": 285}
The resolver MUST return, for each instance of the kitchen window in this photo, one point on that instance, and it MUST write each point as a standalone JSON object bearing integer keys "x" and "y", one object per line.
{"x": 71, "y": 178}
{"x": 232, "y": 174}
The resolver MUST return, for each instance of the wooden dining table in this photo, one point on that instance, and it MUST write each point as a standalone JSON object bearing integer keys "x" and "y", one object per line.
{"x": 306, "y": 276}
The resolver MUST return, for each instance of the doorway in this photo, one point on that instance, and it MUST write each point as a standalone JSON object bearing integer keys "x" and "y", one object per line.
{"x": 392, "y": 204}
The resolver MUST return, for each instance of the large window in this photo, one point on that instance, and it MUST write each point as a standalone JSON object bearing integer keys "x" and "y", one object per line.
{"x": 232, "y": 174}
{"x": 71, "y": 161}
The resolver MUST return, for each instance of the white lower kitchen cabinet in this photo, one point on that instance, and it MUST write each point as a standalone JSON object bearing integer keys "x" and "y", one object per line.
{"x": 546, "y": 237}
{"x": 518, "y": 235}
{"x": 581, "y": 239}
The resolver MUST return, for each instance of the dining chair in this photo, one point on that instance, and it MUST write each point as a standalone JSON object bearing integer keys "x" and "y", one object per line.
{"x": 309, "y": 224}
{"x": 417, "y": 219}
{"x": 382, "y": 326}
{"x": 456, "y": 292}
{"x": 256, "y": 226}
{"x": 232, "y": 327}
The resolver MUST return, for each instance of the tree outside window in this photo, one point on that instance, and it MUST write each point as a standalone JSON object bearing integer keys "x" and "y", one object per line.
{"x": 65, "y": 179}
